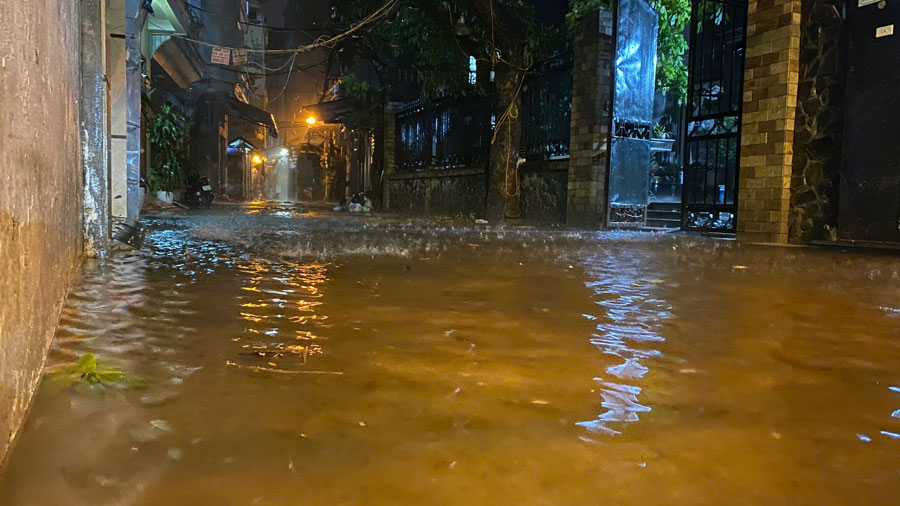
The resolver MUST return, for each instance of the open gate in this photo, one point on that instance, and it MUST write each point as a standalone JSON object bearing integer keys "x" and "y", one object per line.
{"x": 634, "y": 83}
{"x": 713, "y": 128}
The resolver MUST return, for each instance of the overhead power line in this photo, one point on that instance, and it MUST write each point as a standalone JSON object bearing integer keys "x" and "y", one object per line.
{"x": 271, "y": 74}
{"x": 321, "y": 42}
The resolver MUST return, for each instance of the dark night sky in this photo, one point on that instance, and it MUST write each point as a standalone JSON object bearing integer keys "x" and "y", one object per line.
{"x": 550, "y": 11}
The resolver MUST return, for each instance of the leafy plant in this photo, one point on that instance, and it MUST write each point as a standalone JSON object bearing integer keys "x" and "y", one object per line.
{"x": 674, "y": 15}
{"x": 368, "y": 96}
{"x": 661, "y": 131}
{"x": 86, "y": 373}
{"x": 169, "y": 156}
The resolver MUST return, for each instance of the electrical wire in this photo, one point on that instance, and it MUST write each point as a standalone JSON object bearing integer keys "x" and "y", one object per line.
{"x": 321, "y": 42}
{"x": 273, "y": 69}
{"x": 286, "y": 81}
{"x": 271, "y": 74}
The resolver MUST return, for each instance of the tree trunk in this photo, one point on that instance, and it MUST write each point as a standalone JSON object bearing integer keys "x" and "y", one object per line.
{"x": 503, "y": 198}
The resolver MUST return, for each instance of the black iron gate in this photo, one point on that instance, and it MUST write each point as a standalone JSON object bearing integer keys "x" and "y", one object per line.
{"x": 713, "y": 126}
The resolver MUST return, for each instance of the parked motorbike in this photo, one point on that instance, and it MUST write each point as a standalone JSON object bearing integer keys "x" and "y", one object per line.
{"x": 199, "y": 194}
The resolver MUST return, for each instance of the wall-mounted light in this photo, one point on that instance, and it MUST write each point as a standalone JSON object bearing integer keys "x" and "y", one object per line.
{"x": 257, "y": 159}
{"x": 311, "y": 121}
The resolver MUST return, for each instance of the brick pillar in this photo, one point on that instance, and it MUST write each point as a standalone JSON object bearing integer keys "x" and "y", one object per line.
{"x": 390, "y": 150}
{"x": 767, "y": 132}
{"x": 591, "y": 94}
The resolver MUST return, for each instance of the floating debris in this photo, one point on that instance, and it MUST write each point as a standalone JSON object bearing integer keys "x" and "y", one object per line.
{"x": 281, "y": 371}
{"x": 161, "y": 425}
{"x": 86, "y": 372}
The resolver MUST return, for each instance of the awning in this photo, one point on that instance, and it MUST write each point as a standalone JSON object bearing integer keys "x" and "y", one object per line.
{"x": 241, "y": 144}
{"x": 249, "y": 112}
{"x": 336, "y": 111}
{"x": 181, "y": 61}
{"x": 253, "y": 114}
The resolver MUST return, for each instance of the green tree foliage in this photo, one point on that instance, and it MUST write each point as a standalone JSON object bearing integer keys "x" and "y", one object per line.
{"x": 437, "y": 38}
{"x": 168, "y": 149}
{"x": 369, "y": 97}
{"x": 674, "y": 15}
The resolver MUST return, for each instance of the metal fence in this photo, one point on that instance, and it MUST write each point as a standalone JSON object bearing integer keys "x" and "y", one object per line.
{"x": 547, "y": 109}
{"x": 443, "y": 134}
{"x": 714, "y": 109}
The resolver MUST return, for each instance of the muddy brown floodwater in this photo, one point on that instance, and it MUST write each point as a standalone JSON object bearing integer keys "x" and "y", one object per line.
{"x": 301, "y": 360}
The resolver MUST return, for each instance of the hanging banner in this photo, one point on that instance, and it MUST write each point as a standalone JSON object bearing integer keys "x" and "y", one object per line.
{"x": 239, "y": 57}
{"x": 221, "y": 55}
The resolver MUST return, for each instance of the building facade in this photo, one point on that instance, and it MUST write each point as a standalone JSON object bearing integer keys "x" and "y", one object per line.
{"x": 780, "y": 138}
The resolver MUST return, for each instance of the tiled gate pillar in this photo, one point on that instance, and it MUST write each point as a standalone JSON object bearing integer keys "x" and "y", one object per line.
{"x": 591, "y": 93}
{"x": 767, "y": 131}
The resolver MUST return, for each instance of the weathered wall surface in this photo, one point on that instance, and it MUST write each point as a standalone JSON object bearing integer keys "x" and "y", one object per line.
{"x": 439, "y": 192}
{"x": 115, "y": 65}
{"x": 40, "y": 190}
{"x": 818, "y": 133}
{"x": 544, "y": 192}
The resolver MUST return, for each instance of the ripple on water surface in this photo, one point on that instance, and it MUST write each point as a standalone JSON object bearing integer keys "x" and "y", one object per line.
{"x": 290, "y": 359}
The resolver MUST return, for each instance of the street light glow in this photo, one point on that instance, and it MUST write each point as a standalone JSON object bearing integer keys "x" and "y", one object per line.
{"x": 257, "y": 159}
{"x": 285, "y": 152}
{"x": 311, "y": 121}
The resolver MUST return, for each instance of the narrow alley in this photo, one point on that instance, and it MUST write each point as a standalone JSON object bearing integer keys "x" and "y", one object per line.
{"x": 455, "y": 252}
{"x": 301, "y": 359}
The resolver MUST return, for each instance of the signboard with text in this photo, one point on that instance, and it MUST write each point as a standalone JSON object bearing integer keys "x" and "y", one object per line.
{"x": 221, "y": 55}
{"x": 239, "y": 57}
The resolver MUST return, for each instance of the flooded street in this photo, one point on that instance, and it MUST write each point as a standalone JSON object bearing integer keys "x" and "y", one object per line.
{"x": 294, "y": 359}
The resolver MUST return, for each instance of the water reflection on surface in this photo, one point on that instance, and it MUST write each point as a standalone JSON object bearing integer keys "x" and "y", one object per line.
{"x": 297, "y": 359}
{"x": 625, "y": 329}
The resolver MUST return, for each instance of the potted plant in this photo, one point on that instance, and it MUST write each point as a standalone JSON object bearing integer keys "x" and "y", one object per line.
{"x": 168, "y": 141}
{"x": 662, "y": 138}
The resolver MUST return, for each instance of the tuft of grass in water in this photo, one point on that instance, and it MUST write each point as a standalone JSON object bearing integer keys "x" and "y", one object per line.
{"x": 86, "y": 374}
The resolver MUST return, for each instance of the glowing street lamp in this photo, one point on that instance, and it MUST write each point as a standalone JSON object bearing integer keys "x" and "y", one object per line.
{"x": 257, "y": 159}
{"x": 311, "y": 121}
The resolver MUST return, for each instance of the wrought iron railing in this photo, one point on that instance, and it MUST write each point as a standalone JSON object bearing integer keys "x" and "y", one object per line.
{"x": 547, "y": 109}
{"x": 443, "y": 134}
{"x": 714, "y": 110}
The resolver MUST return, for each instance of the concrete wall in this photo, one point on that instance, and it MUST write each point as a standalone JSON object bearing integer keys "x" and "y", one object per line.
{"x": 449, "y": 192}
{"x": 115, "y": 62}
{"x": 544, "y": 192}
{"x": 40, "y": 190}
